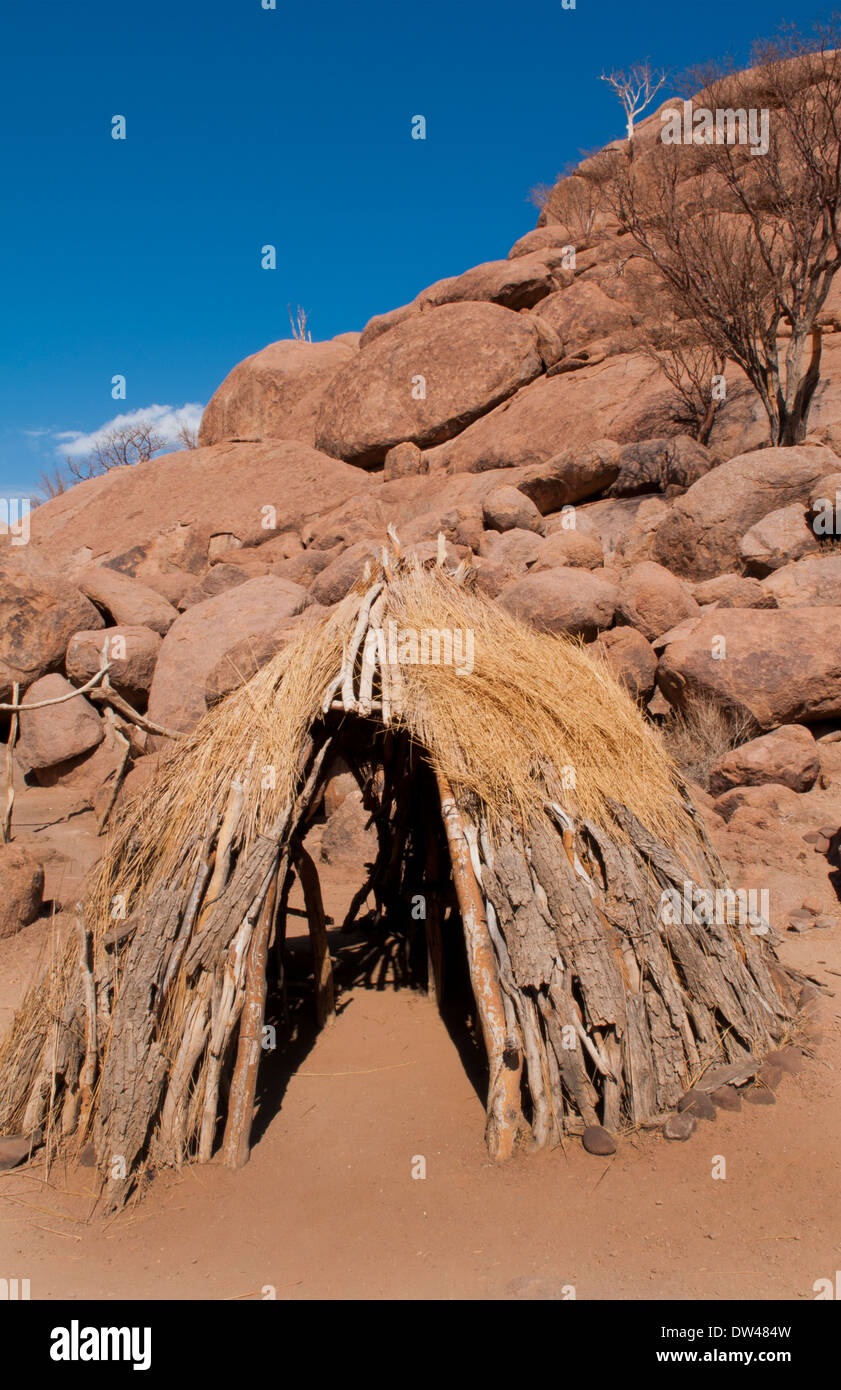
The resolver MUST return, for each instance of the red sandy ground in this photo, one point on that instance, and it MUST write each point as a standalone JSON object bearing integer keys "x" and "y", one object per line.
{"x": 328, "y": 1208}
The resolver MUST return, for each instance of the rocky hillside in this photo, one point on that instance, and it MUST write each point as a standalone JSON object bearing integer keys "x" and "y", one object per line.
{"x": 510, "y": 407}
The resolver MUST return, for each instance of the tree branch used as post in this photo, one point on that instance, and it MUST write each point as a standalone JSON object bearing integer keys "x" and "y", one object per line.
{"x": 505, "y": 1123}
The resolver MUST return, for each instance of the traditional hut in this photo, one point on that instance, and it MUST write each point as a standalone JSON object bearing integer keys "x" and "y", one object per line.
{"x": 504, "y": 760}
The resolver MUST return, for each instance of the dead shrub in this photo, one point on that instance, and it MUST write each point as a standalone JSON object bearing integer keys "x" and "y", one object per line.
{"x": 703, "y": 732}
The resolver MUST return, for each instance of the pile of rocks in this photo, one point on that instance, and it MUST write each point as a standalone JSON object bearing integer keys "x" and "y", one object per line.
{"x": 507, "y": 408}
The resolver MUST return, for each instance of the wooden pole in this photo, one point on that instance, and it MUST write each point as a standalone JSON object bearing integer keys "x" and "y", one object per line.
{"x": 6, "y": 828}
{"x": 88, "y": 1074}
{"x": 434, "y": 939}
{"x": 236, "y": 1147}
{"x": 505, "y": 1124}
{"x": 325, "y": 999}
{"x": 236, "y": 1142}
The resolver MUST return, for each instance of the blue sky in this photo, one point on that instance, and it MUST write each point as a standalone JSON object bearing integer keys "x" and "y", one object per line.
{"x": 290, "y": 126}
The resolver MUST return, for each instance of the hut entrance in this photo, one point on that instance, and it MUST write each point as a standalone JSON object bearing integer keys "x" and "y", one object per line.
{"x": 387, "y": 919}
{"x": 520, "y": 795}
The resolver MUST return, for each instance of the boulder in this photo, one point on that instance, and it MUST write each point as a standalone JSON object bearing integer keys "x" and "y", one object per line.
{"x": 39, "y": 612}
{"x": 250, "y": 654}
{"x": 733, "y": 591}
{"x": 583, "y": 314}
{"x": 126, "y": 600}
{"x": 776, "y": 539}
{"x": 339, "y": 783}
{"x": 575, "y": 601}
{"x": 59, "y": 732}
{"x": 757, "y": 808}
{"x": 274, "y": 394}
{"x": 814, "y": 580}
{"x": 626, "y": 526}
{"x": 270, "y": 552}
{"x": 652, "y": 465}
{"x": 574, "y": 549}
{"x": 825, "y": 506}
{"x": 653, "y": 600}
{"x": 219, "y": 577}
{"x": 339, "y": 577}
{"x": 613, "y": 401}
{"x": 702, "y": 535}
{"x": 427, "y": 379}
{"x": 492, "y": 575}
{"x": 404, "y": 461}
{"x": 517, "y": 549}
{"x": 570, "y": 476}
{"x": 304, "y": 568}
{"x": 541, "y": 239}
{"x": 383, "y": 323}
{"x": 507, "y": 508}
{"x": 788, "y": 755}
{"x": 159, "y": 521}
{"x": 22, "y": 877}
{"x": 349, "y": 837}
{"x": 781, "y": 667}
{"x": 517, "y": 284}
{"x": 90, "y": 775}
{"x": 203, "y": 634}
{"x": 631, "y": 658}
{"x": 132, "y": 652}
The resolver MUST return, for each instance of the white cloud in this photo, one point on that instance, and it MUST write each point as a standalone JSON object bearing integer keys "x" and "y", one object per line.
{"x": 166, "y": 419}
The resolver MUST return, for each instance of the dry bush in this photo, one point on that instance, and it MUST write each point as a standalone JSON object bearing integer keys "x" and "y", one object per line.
{"x": 573, "y": 202}
{"x": 703, "y": 732}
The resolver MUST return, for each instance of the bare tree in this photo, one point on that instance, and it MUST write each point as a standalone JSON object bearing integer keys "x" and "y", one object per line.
{"x": 120, "y": 447}
{"x": 691, "y": 367}
{"x": 299, "y": 324}
{"x": 636, "y": 89}
{"x": 53, "y": 482}
{"x": 748, "y": 246}
{"x": 188, "y": 435}
{"x": 572, "y": 201}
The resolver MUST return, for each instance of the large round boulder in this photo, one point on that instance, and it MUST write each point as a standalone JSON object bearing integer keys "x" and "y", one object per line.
{"x": 576, "y": 601}
{"x": 39, "y": 612}
{"x": 701, "y": 537}
{"x": 788, "y": 756}
{"x": 816, "y": 579}
{"x": 631, "y": 659}
{"x": 274, "y": 394}
{"x": 782, "y": 666}
{"x": 653, "y": 600}
{"x": 131, "y": 651}
{"x": 777, "y": 539}
{"x": 426, "y": 379}
{"x": 204, "y": 634}
{"x": 55, "y": 733}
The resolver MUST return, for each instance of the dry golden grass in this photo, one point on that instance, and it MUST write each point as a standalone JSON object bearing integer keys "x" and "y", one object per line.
{"x": 701, "y": 734}
{"x": 534, "y": 705}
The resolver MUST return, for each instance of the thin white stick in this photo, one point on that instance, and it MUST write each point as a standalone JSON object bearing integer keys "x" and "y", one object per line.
{"x": 358, "y": 634}
{"x": 60, "y": 699}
